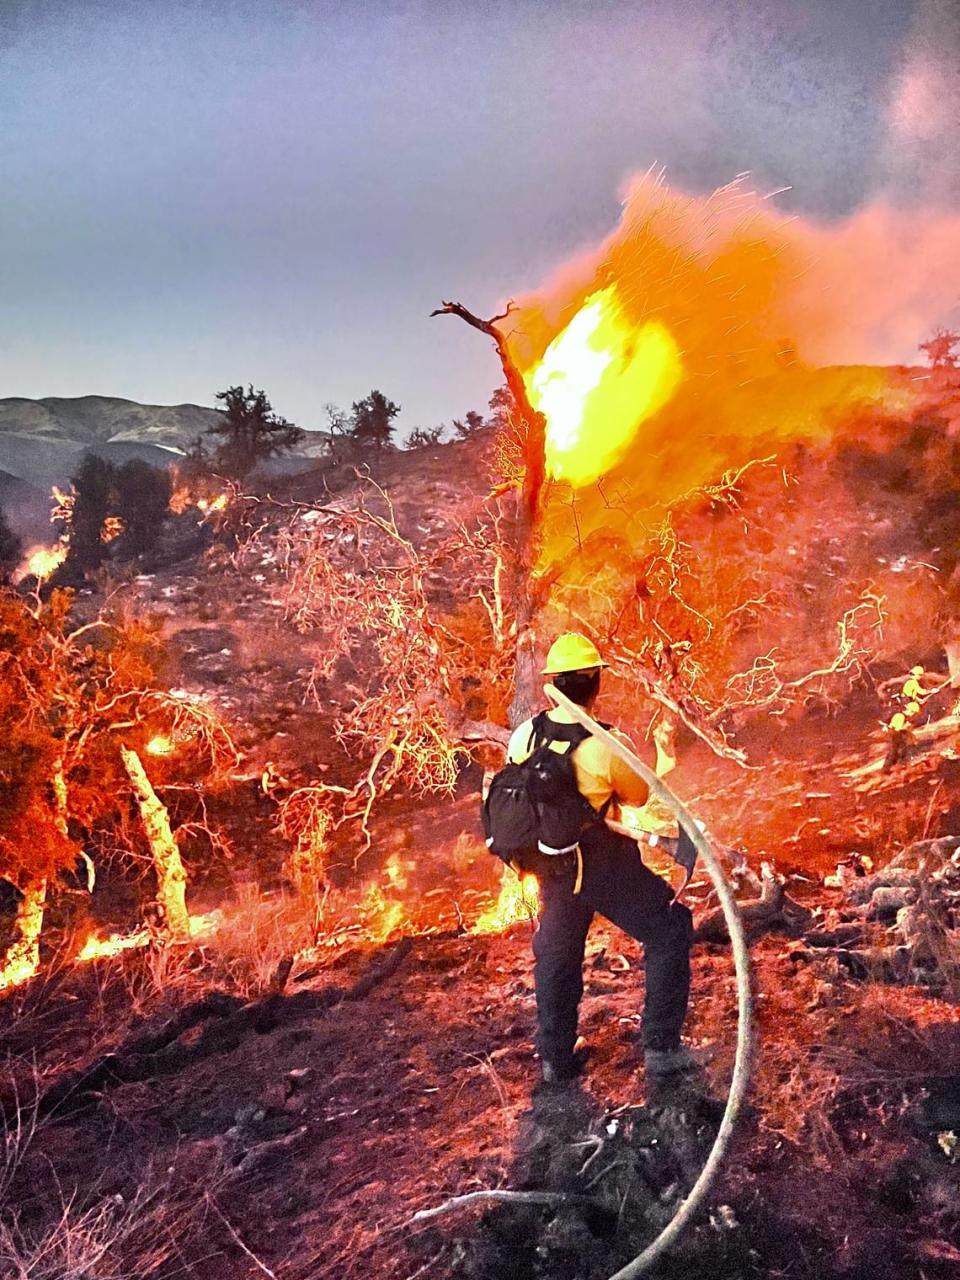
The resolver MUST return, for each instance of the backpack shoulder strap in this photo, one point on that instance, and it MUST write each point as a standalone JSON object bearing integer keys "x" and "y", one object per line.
{"x": 548, "y": 730}
{"x": 539, "y": 732}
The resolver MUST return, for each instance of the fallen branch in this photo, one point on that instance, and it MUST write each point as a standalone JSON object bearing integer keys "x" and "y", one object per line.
{"x": 876, "y": 964}
{"x": 773, "y": 909}
{"x": 265, "y": 1153}
{"x": 261, "y": 1266}
{"x": 507, "y": 1197}
{"x": 167, "y": 1053}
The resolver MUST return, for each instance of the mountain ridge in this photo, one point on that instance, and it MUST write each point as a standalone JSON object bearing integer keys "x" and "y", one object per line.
{"x": 97, "y": 419}
{"x": 43, "y": 439}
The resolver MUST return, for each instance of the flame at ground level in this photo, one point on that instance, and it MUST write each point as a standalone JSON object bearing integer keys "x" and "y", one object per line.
{"x": 102, "y": 948}
{"x": 19, "y": 969}
{"x": 184, "y": 497}
{"x": 519, "y": 900}
{"x": 598, "y": 380}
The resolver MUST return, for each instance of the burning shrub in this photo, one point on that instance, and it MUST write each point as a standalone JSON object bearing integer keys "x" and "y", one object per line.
{"x": 78, "y": 703}
{"x": 356, "y": 579}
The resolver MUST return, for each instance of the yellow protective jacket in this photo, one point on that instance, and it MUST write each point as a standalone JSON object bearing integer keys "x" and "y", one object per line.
{"x": 601, "y": 775}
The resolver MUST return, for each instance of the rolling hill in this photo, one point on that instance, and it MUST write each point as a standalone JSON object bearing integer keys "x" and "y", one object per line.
{"x": 41, "y": 441}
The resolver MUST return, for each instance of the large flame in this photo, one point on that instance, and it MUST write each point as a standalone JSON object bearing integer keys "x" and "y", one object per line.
{"x": 41, "y": 561}
{"x": 598, "y": 380}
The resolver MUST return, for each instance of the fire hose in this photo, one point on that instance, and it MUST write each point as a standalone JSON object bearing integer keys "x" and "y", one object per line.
{"x": 740, "y": 1081}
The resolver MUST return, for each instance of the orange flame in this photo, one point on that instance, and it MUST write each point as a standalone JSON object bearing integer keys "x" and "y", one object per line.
{"x": 598, "y": 380}
{"x": 22, "y": 968}
{"x": 519, "y": 901}
{"x": 40, "y": 561}
{"x": 18, "y": 970}
{"x": 382, "y": 915}
{"x": 160, "y": 745}
{"x": 103, "y": 948}
{"x": 184, "y": 497}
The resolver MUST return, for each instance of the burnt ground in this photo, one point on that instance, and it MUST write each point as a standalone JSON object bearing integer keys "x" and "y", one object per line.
{"x": 297, "y": 1134}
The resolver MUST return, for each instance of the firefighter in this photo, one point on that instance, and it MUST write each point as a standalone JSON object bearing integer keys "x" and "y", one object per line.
{"x": 607, "y": 876}
{"x": 900, "y": 725}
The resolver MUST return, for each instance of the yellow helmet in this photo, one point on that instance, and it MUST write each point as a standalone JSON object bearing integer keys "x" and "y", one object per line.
{"x": 572, "y": 652}
{"x": 917, "y": 671}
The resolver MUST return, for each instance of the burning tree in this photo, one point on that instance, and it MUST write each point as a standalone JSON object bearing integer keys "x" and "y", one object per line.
{"x": 650, "y": 411}
{"x": 93, "y": 487}
{"x": 79, "y": 703}
{"x": 105, "y": 502}
{"x": 142, "y": 501}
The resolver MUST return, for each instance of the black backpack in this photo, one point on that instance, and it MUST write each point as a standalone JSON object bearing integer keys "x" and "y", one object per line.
{"x": 533, "y": 810}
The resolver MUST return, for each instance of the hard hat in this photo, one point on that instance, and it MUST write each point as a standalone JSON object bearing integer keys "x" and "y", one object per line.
{"x": 572, "y": 652}
{"x": 917, "y": 671}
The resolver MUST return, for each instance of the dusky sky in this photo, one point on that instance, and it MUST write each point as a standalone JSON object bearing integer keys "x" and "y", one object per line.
{"x": 279, "y": 191}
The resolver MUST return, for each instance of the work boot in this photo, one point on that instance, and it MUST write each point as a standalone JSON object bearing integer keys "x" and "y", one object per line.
{"x": 664, "y": 1064}
{"x": 566, "y": 1069}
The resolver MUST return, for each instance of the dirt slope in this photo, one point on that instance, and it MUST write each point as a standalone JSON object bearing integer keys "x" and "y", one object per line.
{"x": 317, "y": 1123}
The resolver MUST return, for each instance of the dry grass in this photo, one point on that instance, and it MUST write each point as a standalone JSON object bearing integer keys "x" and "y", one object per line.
{"x": 109, "y": 1239}
{"x": 81, "y": 1234}
{"x": 256, "y": 934}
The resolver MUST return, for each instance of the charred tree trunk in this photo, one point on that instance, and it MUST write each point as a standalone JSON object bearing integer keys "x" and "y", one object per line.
{"x": 171, "y": 876}
{"x": 22, "y": 961}
{"x": 526, "y": 693}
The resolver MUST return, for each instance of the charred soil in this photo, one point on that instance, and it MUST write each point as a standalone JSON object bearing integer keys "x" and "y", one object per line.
{"x": 302, "y": 1131}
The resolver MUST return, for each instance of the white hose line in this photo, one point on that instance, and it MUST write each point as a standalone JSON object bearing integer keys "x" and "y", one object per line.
{"x": 740, "y": 1082}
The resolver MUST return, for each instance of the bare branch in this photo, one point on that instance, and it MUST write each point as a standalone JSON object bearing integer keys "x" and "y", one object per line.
{"x": 505, "y": 1197}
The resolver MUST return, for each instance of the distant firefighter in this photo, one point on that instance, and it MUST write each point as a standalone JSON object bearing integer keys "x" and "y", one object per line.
{"x": 910, "y": 700}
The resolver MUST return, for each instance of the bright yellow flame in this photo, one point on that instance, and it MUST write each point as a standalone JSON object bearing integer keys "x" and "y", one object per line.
{"x": 20, "y": 969}
{"x": 40, "y": 562}
{"x": 207, "y": 505}
{"x": 160, "y": 745}
{"x": 598, "y": 380}
{"x": 382, "y": 916}
{"x": 102, "y": 948}
{"x": 396, "y": 871}
{"x": 184, "y": 497}
{"x": 519, "y": 900}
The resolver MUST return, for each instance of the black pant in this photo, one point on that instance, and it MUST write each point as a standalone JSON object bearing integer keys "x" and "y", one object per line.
{"x": 620, "y": 887}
